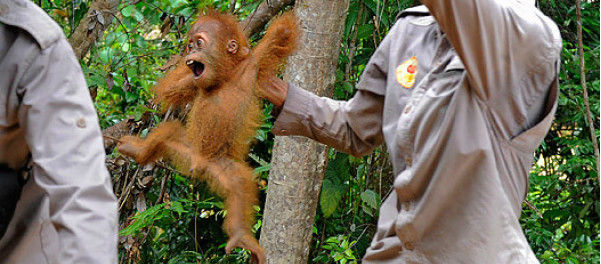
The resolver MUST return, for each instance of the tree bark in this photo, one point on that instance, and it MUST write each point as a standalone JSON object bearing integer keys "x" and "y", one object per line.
{"x": 298, "y": 163}
{"x": 588, "y": 113}
{"x": 92, "y": 26}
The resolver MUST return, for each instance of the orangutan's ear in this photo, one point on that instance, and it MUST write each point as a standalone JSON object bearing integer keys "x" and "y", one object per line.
{"x": 232, "y": 46}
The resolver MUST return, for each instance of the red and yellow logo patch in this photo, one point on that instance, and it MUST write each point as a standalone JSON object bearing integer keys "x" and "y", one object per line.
{"x": 406, "y": 72}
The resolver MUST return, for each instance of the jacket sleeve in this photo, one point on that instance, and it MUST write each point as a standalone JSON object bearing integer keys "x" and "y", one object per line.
{"x": 63, "y": 134}
{"x": 509, "y": 48}
{"x": 353, "y": 127}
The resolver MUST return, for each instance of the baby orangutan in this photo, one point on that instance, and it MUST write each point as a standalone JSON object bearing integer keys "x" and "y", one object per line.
{"x": 222, "y": 78}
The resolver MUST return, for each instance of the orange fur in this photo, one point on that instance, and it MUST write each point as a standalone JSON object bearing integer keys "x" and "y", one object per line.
{"x": 180, "y": 76}
{"x": 275, "y": 46}
{"x": 221, "y": 78}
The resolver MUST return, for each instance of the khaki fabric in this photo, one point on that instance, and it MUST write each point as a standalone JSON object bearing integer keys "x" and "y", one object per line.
{"x": 67, "y": 212}
{"x": 461, "y": 138}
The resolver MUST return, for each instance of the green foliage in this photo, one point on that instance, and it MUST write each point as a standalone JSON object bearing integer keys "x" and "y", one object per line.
{"x": 564, "y": 183}
{"x": 332, "y": 189}
{"x": 183, "y": 230}
{"x": 337, "y": 249}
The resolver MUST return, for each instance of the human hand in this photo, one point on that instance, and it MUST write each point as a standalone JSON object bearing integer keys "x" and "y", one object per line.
{"x": 275, "y": 90}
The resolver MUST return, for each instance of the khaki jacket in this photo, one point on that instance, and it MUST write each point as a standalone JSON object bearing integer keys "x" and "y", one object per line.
{"x": 462, "y": 93}
{"x": 67, "y": 212}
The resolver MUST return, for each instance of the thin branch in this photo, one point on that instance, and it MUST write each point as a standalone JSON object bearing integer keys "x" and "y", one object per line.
{"x": 123, "y": 198}
{"x": 264, "y": 12}
{"x": 353, "y": 45}
{"x": 589, "y": 115}
{"x": 163, "y": 188}
{"x": 232, "y": 6}
{"x": 533, "y": 208}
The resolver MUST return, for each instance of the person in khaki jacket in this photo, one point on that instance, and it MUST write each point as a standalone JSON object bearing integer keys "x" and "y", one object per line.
{"x": 67, "y": 212}
{"x": 462, "y": 92}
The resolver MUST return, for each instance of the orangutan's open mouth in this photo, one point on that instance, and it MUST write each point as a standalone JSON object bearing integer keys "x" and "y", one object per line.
{"x": 197, "y": 67}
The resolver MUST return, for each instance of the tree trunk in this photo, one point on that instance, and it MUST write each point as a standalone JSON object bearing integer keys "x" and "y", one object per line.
{"x": 92, "y": 26}
{"x": 298, "y": 163}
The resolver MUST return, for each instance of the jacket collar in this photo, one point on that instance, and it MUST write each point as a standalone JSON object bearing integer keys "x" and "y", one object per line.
{"x": 420, "y": 10}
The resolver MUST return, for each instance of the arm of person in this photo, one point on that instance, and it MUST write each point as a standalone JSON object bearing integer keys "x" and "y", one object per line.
{"x": 509, "y": 48}
{"x": 353, "y": 126}
{"x": 63, "y": 134}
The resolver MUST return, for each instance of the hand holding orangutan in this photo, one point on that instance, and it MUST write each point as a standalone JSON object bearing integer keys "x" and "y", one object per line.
{"x": 222, "y": 79}
{"x": 275, "y": 90}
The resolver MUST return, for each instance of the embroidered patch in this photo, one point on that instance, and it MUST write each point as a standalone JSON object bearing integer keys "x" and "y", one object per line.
{"x": 406, "y": 72}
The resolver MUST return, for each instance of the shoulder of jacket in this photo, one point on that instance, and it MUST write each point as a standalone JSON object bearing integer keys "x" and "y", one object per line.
{"x": 418, "y": 15}
{"x": 29, "y": 17}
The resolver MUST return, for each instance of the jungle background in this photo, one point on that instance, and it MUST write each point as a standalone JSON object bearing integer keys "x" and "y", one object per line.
{"x": 125, "y": 46}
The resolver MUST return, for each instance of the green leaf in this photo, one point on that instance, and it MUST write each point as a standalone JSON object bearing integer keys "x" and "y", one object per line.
{"x": 264, "y": 165}
{"x": 351, "y": 18}
{"x": 178, "y": 207}
{"x": 572, "y": 260}
{"x": 371, "y": 198}
{"x": 330, "y": 197}
{"x": 127, "y": 10}
{"x": 142, "y": 219}
{"x": 138, "y": 115}
{"x": 125, "y": 47}
{"x": 106, "y": 55}
{"x": 364, "y": 31}
{"x": 138, "y": 15}
{"x": 131, "y": 97}
{"x": 177, "y": 3}
{"x": 349, "y": 253}
{"x": 372, "y": 5}
{"x": 348, "y": 87}
{"x": 367, "y": 210}
{"x": 584, "y": 210}
{"x": 344, "y": 244}
{"x": 337, "y": 169}
{"x": 97, "y": 80}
